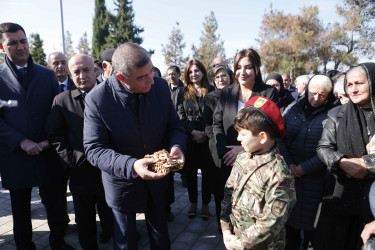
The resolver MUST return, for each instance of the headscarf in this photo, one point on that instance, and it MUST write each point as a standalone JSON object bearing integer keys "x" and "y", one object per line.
{"x": 277, "y": 77}
{"x": 352, "y": 134}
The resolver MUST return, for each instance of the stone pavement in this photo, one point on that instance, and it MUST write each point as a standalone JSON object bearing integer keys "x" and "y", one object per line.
{"x": 185, "y": 233}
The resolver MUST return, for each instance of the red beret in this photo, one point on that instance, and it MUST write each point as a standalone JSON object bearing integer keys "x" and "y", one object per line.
{"x": 270, "y": 110}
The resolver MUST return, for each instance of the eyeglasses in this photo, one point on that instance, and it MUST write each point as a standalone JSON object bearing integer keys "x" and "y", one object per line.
{"x": 222, "y": 76}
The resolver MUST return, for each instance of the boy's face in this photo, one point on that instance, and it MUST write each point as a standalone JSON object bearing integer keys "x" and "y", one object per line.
{"x": 248, "y": 141}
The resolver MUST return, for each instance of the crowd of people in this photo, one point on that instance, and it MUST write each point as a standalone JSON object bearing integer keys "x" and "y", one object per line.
{"x": 286, "y": 163}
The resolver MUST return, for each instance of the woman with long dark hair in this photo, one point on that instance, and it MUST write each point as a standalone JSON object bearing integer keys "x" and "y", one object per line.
{"x": 196, "y": 87}
{"x": 248, "y": 83}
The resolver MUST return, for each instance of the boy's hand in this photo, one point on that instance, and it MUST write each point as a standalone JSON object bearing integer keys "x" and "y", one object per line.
{"x": 230, "y": 157}
{"x": 229, "y": 239}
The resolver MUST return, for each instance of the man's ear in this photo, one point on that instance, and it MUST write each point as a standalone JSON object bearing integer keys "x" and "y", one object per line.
{"x": 120, "y": 77}
{"x": 104, "y": 65}
{"x": 263, "y": 137}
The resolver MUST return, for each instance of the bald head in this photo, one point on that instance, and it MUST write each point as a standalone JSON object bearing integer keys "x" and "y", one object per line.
{"x": 129, "y": 57}
{"x": 83, "y": 72}
{"x": 219, "y": 61}
{"x": 59, "y": 64}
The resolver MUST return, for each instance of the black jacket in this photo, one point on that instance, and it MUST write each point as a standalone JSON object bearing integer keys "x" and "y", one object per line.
{"x": 210, "y": 105}
{"x": 299, "y": 147}
{"x": 226, "y": 109}
{"x": 191, "y": 112}
{"x": 65, "y": 133}
{"x": 175, "y": 93}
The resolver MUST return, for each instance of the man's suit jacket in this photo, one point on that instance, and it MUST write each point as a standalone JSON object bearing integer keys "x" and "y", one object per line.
{"x": 71, "y": 85}
{"x": 65, "y": 132}
{"x": 293, "y": 91}
{"x": 121, "y": 127}
{"x": 19, "y": 170}
{"x": 227, "y": 108}
{"x": 175, "y": 93}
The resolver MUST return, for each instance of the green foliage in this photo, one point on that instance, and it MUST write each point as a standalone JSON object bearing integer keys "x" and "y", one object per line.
{"x": 69, "y": 50}
{"x": 288, "y": 41}
{"x": 121, "y": 26}
{"x": 36, "y": 49}
{"x": 174, "y": 51}
{"x": 100, "y": 28}
{"x": 83, "y": 46}
{"x": 211, "y": 45}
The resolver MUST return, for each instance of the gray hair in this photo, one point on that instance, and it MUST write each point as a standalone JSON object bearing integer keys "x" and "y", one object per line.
{"x": 55, "y": 53}
{"x": 303, "y": 79}
{"x": 322, "y": 81}
{"x": 339, "y": 86}
{"x": 129, "y": 57}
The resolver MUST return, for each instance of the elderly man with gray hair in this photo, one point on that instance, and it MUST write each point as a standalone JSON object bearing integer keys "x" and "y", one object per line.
{"x": 126, "y": 117}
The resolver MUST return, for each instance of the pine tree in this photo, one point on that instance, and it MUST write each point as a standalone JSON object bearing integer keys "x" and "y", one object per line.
{"x": 100, "y": 28}
{"x": 36, "y": 49}
{"x": 69, "y": 50}
{"x": 210, "y": 44}
{"x": 122, "y": 28}
{"x": 83, "y": 46}
{"x": 174, "y": 51}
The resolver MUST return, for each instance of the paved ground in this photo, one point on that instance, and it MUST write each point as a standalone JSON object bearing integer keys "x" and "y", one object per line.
{"x": 185, "y": 233}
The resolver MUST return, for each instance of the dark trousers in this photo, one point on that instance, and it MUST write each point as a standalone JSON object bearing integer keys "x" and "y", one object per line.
{"x": 125, "y": 234}
{"x": 218, "y": 178}
{"x": 341, "y": 232}
{"x": 85, "y": 211}
{"x": 170, "y": 191}
{"x": 296, "y": 238}
{"x": 22, "y": 228}
{"x": 198, "y": 158}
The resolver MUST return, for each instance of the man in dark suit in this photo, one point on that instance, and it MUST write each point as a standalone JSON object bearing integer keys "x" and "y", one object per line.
{"x": 59, "y": 64}
{"x": 27, "y": 160}
{"x": 65, "y": 132}
{"x": 288, "y": 85}
{"x": 175, "y": 86}
{"x": 106, "y": 56}
{"x": 126, "y": 117}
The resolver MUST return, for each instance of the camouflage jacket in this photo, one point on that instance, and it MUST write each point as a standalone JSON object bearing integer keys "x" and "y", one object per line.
{"x": 258, "y": 198}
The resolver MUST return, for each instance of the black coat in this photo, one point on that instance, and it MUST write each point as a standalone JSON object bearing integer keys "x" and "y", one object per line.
{"x": 19, "y": 170}
{"x": 175, "y": 93}
{"x": 210, "y": 106}
{"x": 65, "y": 133}
{"x": 226, "y": 109}
{"x": 299, "y": 147}
{"x": 121, "y": 127}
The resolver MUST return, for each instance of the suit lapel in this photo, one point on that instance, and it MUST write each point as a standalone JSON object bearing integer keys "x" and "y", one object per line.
{"x": 11, "y": 81}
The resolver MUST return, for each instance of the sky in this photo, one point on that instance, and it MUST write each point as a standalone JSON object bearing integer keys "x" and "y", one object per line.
{"x": 239, "y": 21}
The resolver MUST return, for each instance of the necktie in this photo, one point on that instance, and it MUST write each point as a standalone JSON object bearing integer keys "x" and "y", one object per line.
{"x": 62, "y": 88}
{"x": 23, "y": 72}
{"x": 84, "y": 94}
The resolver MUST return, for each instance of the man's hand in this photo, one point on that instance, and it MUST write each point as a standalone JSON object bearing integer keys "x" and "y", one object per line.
{"x": 353, "y": 167}
{"x": 30, "y": 147}
{"x": 176, "y": 152}
{"x": 368, "y": 231}
{"x": 44, "y": 144}
{"x": 230, "y": 157}
{"x": 229, "y": 239}
{"x": 141, "y": 168}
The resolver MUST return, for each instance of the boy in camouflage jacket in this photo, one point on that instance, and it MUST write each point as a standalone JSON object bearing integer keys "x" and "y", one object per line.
{"x": 259, "y": 194}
